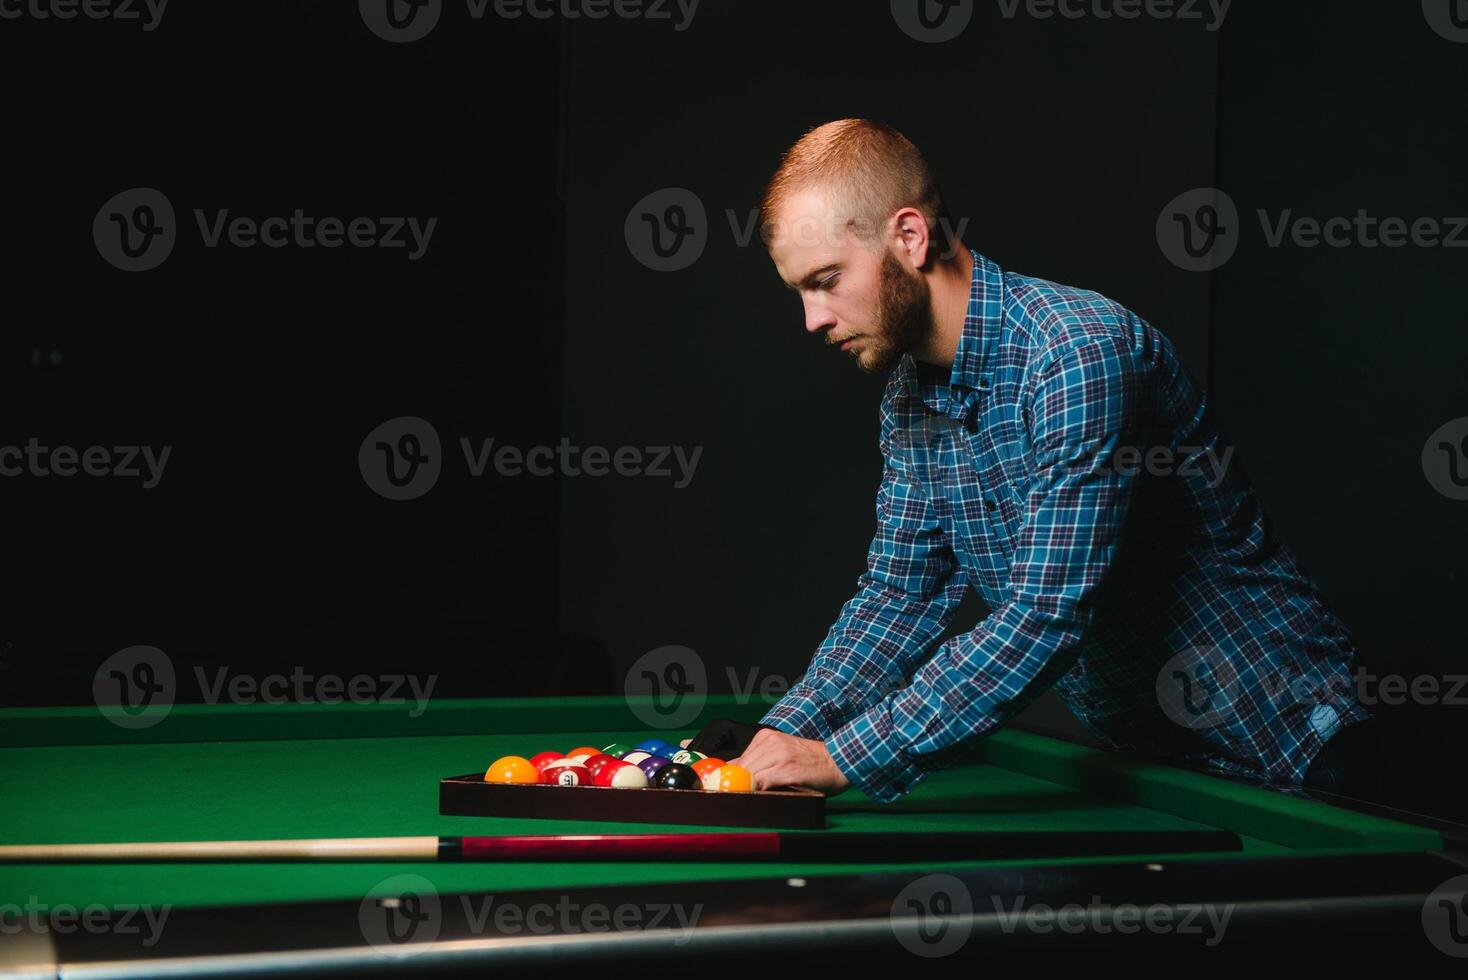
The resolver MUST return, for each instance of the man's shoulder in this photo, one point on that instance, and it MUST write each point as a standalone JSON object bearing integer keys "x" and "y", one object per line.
{"x": 1051, "y": 318}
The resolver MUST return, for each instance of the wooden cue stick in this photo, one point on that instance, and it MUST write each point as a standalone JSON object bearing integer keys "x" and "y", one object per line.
{"x": 880, "y": 847}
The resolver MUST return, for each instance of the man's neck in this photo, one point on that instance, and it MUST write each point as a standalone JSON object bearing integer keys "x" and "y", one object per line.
{"x": 950, "y": 283}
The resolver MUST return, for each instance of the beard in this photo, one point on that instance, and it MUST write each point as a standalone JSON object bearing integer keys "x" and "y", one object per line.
{"x": 904, "y": 318}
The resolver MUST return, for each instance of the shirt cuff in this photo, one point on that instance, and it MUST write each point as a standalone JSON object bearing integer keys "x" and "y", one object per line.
{"x": 866, "y": 751}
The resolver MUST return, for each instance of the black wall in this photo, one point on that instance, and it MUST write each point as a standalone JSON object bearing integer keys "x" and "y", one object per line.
{"x": 1334, "y": 364}
{"x": 530, "y": 319}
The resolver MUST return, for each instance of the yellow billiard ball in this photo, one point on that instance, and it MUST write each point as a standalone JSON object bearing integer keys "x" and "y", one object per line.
{"x": 732, "y": 779}
{"x": 511, "y": 769}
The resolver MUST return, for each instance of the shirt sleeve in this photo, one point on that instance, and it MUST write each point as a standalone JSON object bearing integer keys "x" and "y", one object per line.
{"x": 904, "y": 599}
{"x": 1088, "y": 402}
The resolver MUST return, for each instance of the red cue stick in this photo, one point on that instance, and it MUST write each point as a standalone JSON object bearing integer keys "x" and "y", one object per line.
{"x": 816, "y": 846}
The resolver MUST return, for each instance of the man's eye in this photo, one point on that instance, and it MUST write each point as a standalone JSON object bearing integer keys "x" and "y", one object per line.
{"x": 829, "y": 281}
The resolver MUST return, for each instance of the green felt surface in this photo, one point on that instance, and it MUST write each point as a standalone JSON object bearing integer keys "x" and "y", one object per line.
{"x": 130, "y": 789}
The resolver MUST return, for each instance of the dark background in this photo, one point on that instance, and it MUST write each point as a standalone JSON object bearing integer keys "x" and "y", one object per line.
{"x": 530, "y": 319}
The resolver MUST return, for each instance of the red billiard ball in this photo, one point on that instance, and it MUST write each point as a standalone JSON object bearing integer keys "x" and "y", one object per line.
{"x": 541, "y": 759}
{"x": 597, "y": 761}
{"x": 572, "y": 775}
{"x": 620, "y": 775}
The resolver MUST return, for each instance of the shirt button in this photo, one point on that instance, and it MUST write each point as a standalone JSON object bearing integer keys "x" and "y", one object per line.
{"x": 991, "y": 506}
{"x": 984, "y": 383}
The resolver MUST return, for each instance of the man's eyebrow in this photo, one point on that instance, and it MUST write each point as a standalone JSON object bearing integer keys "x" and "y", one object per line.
{"x": 812, "y": 276}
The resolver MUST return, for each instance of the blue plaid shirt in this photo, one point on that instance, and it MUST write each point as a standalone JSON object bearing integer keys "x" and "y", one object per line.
{"x": 1068, "y": 469}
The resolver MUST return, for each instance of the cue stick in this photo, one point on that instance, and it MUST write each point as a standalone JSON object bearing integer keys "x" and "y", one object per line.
{"x": 868, "y": 847}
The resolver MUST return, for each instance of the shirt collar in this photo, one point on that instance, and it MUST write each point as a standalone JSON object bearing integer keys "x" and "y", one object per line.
{"x": 969, "y": 377}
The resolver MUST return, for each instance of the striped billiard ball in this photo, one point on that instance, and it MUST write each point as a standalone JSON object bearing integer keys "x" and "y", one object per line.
{"x": 636, "y": 756}
{"x": 687, "y": 756}
{"x": 652, "y": 764}
{"x": 621, "y": 775}
{"x": 572, "y": 775}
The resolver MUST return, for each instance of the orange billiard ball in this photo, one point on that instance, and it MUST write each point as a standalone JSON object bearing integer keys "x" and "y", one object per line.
{"x": 511, "y": 769}
{"x": 733, "y": 779}
{"x": 585, "y": 751}
{"x": 706, "y": 768}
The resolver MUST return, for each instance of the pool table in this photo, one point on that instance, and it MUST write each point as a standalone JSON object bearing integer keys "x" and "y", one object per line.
{"x": 1306, "y": 867}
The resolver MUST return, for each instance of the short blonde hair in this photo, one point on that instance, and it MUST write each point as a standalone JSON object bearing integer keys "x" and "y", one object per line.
{"x": 868, "y": 169}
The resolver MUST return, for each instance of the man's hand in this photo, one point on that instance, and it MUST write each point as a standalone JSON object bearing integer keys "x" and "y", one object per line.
{"x": 775, "y": 759}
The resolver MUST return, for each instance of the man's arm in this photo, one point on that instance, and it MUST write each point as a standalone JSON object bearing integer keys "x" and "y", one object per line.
{"x": 1090, "y": 401}
{"x": 906, "y": 596}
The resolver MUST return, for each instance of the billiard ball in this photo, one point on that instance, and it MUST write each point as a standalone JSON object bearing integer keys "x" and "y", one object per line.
{"x": 555, "y": 764}
{"x": 687, "y": 757}
{"x": 706, "y": 768}
{"x": 617, "y": 749}
{"x": 667, "y": 751}
{"x": 585, "y": 751}
{"x": 540, "y": 759}
{"x": 651, "y": 745}
{"x": 572, "y": 775}
{"x": 621, "y": 775}
{"x": 652, "y": 764}
{"x": 733, "y": 779}
{"x": 597, "y": 761}
{"x": 675, "y": 775}
{"x": 511, "y": 769}
{"x": 636, "y": 756}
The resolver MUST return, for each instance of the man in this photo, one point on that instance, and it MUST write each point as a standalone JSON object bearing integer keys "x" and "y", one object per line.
{"x": 1043, "y": 446}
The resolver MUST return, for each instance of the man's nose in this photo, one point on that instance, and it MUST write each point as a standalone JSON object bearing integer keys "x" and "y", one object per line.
{"x": 818, "y": 318}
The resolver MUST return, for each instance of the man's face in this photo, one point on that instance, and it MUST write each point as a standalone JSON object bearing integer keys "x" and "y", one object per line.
{"x": 862, "y": 299}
